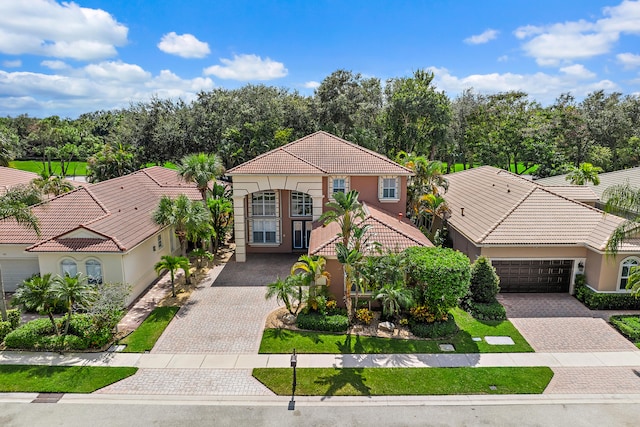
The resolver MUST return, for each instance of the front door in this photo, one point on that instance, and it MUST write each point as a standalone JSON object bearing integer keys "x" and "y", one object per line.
{"x": 301, "y": 234}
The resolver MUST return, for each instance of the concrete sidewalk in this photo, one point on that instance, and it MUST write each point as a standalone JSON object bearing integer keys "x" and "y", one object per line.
{"x": 250, "y": 361}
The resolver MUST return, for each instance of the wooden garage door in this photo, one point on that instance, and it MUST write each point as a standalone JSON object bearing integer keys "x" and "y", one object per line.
{"x": 534, "y": 275}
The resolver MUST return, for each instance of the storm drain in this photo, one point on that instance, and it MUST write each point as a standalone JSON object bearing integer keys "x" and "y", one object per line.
{"x": 48, "y": 398}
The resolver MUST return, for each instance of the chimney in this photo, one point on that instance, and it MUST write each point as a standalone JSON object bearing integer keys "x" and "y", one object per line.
{"x": 399, "y": 216}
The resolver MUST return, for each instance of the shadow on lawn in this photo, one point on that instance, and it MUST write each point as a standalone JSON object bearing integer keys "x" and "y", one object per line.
{"x": 342, "y": 378}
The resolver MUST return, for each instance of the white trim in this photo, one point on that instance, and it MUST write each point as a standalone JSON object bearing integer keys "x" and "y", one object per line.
{"x": 382, "y": 188}
{"x": 307, "y": 202}
{"x": 622, "y": 262}
{"x": 346, "y": 184}
{"x": 264, "y": 218}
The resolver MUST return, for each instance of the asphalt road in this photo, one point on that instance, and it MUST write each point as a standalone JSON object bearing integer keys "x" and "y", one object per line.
{"x": 191, "y": 415}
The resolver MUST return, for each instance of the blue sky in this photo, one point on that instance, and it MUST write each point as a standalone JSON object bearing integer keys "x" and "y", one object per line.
{"x": 66, "y": 58}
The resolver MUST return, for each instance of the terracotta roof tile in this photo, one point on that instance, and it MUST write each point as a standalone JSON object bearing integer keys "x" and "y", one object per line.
{"x": 76, "y": 244}
{"x": 390, "y": 231}
{"x": 10, "y": 177}
{"x": 320, "y": 154}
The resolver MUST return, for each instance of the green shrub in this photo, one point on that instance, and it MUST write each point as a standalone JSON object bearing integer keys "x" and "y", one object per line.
{"x": 629, "y": 326}
{"x": 605, "y": 301}
{"x": 364, "y": 316}
{"x": 434, "y": 330}
{"x": 5, "y": 328}
{"x": 484, "y": 284}
{"x": 486, "y": 311}
{"x": 440, "y": 277}
{"x": 28, "y": 335}
{"x": 14, "y": 317}
{"x": 318, "y": 322}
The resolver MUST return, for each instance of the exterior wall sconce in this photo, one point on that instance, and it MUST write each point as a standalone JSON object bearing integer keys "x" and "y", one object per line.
{"x": 580, "y": 267}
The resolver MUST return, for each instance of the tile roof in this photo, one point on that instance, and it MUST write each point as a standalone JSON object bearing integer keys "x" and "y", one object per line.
{"x": 607, "y": 179}
{"x": 320, "y": 154}
{"x": 494, "y": 207}
{"x": 580, "y": 193}
{"x": 10, "y": 177}
{"x": 118, "y": 209}
{"x": 389, "y": 230}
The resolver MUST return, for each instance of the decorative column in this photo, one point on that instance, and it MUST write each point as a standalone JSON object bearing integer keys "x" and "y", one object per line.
{"x": 239, "y": 224}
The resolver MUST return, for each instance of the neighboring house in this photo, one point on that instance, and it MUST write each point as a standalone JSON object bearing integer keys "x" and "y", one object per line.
{"x": 607, "y": 179}
{"x": 10, "y": 177}
{"x": 537, "y": 237}
{"x": 103, "y": 230}
{"x": 279, "y": 196}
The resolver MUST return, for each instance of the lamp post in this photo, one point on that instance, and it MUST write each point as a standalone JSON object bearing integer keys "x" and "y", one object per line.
{"x": 294, "y": 363}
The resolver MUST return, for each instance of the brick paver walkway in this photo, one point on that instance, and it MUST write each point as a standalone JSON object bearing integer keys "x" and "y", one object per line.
{"x": 589, "y": 380}
{"x": 196, "y": 382}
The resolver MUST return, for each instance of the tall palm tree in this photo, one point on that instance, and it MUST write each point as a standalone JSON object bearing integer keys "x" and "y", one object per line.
{"x": 36, "y": 294}
{"x": 623, "y": 200}
{"x": 201, "y": 169}
{"x": 312, "y": 270}
{"x": 584, "y": 173}
{"x": 221, "y": 210}
{"x": 72, "y": 290}
{"x": 432, "y": 205}
{"x": 173, "y": 264}
{"x": 183, "y": 215}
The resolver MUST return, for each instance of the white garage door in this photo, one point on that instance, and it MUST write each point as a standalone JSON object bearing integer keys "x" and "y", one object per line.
{"x": 14, "y": 271}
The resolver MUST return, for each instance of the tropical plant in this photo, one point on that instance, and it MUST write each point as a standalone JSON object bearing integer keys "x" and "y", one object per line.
{"x": 285, "y": 291}
{"x": 52, "y": 184}
{"x": 173, "y": 264}
{"x": 623, "y": 200}
{"x": 36, "y": 294}
{"x": 72, "y": 290}
{"x": 312, "y": 270}
{"x": 201, "y": 255}
{"x": 112, "y": 161}
{"x": 201, "y": 169}
{"x": 484, "y": 283}
{"x": 394, "y": 297}
{"x": 221, "y": 210}
{"x": 633, "y": 284}
{"x": 183, "y": 215}
{"x": 584, "y": 173}
{"x": 432, "y": 206}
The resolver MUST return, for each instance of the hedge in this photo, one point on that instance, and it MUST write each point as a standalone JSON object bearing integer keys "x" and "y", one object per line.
{"x": 486, "y": 311}
{"x": 629, "y": 326}
{"x": 606, "y": 301}
{"x": 319, "y": 322}
{"x": 439, "y": 329}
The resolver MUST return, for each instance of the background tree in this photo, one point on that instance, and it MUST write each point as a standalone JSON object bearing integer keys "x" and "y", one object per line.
{"x": 623, "y": 200}
{"x": 586, "y": 172}
{"x": 111, "y": 161}
{"x": 172, "y": 264}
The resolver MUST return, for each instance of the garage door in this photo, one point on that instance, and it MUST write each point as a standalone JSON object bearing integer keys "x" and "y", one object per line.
{"x": 534, "y": 275}
{"x": 14, "y": 271}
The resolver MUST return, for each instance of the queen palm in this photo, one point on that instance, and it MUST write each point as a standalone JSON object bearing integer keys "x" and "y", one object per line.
{"x": 312, "y": 270}
{"x": 201, "y": 169}
{"x": 173, "y": 264}
{"x": 183, "y": 215}
{"x": 584, "y": 173}
{"x": 36, "y": 294}
{"x": 52, "y": 184}
{"x": 433, "y": 205}
{"x": 623, "y": 200}
{"x": 72, "y": 290}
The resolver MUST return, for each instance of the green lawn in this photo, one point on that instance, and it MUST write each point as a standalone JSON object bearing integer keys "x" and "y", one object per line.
{"x": 144, "y": 338}
{"x": 59, "y": 379}
{"x": 284, "y": 341}
{"x": 405, "y": 381}
{"x": 76, "y": 168}
{"x": 459, "y": 167}
{"x": 168, "y": 165}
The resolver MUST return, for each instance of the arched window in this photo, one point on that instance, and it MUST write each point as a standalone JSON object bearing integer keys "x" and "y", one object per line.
{"x": 625, "y": 271}
{"x": 69, "y": 268}
{"x": 94, "y": 271}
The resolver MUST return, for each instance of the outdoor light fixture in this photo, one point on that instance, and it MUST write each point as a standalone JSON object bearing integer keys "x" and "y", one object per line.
{"x": 581, "y": 266}
{"x": 294, "y": 359}
{"x": 294, "y": 363}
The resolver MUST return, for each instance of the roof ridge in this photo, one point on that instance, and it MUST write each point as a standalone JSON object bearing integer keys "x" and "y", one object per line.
{"x": 302, "y": 160}
{"x": 506, "y": 215}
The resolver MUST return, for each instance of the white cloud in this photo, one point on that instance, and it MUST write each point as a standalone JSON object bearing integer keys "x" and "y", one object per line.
{"x": 542, "y": 87}
{"x": 185, "y": 45}
{"x": 503, "y": 58}
{"x": 482, "y": 38}
{"x": 105, "y": 85}
{"x": 578, "y": 71}
{"x": 12, "y": 63}
{"x": 55, "y": 65}
{"x": 66, "y": 30}
{"x": 629, "y": 60}
{"x": 559, "y": 43}
{"x": 247, "y": 67}
{"x": 311, "y": 84}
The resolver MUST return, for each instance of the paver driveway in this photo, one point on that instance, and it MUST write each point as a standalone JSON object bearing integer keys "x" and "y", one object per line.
{"x": 560, "y": 323}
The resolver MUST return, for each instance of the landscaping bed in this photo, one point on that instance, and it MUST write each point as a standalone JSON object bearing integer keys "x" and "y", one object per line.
{"x": 405, "y": 381}
{"x": 145, "y": 336}
{"x": 629, "y": 326}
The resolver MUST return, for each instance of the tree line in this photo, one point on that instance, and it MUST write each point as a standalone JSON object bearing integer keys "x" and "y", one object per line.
{"x": 405, "y": 114}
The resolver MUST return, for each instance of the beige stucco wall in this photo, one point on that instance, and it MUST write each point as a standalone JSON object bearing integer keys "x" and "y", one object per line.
{"x": 111, "y": 264}
{"x": 16, "y": 265}
{"x": 603, "y": 272}
{"x": 533, "y": 252}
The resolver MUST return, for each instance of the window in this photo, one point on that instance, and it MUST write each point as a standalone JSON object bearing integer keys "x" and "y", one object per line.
{"x": 339, "y": 184}
{"x": 389, "y": 188}
{"x": 264, "y": 231}
{"x": 301, "y": 204}
{"x": 160, "y": 241}
{"x": 263, "y": 204}
{"x": 626, "y": 270}
{"x": 94, "y": 271}
{"x": 69, "y": 268}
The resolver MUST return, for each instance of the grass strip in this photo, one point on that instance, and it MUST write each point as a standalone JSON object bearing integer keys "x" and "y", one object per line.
{"x": 405, "y": 381}
{"x": 59, "y": 379}
{"x": 284, "y": 341}
{"x": 145, "y": 337}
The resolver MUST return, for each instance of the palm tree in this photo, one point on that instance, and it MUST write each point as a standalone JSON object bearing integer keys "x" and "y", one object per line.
{"x": 201, "y": 169}
{"x": 52, "y": 184}
{"x": 72, "y": 290}
{"x": 312, "y": 270}
{"x": 433, "y": 205}
{"x": 394, "y": 297}
{"x": 221, "y": 210}
{"x": 584, "y": 173}
{"x": 183, "y": 215}
{"x": 284, "y": 291}
{"x": 623, "y": 200}
{"x": 36, "y": 294}
{"x": 200, "y": 255}
{"x": 633, "y": 283}
{"x": 172, "y": 264}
